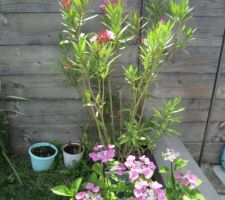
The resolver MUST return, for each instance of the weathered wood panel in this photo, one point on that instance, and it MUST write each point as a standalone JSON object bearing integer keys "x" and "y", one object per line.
{"x": 39, "y": 60}
{"x": 67, "y": 112}
{"x": 52, "y": 6}
{"x": 167, "y": 86}
{"x": 202, "y": 7}
{"x": 66, "y": 133}
{"x": 22, "y": 137}
{"x": 44, "y": 28}
{"x": 212, "y": 151}
{"x": 36, "y": 59}
{"x": 196, "y": 110}
{"x": 197, "y": 60}
{"x": 208, "y": 7}
{"x": 193, "y": 132}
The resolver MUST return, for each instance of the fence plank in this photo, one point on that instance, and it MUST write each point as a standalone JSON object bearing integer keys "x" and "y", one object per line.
{"x": 167, "y": 86}
{"x": 22, "y": 137}
{"x": 212, "y": 152}
{"x": 42, "y": 60}
{"x": 44, "y": 28}
{"x": 202, "y": 7}
{"x": 67, "y": 112}
{"x": 52, "y": 6}
{"x": 37, "y": 59}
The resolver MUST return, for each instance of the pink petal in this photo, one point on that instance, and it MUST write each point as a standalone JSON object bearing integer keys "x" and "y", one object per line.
{"x": 80, "y": 196}
{"x": 90, "y": 186}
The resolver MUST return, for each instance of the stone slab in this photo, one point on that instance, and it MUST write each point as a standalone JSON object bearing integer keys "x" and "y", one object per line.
{"x": 173, "y": 142}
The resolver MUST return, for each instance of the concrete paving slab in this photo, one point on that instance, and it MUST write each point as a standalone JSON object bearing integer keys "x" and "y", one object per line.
{"x": 173, "y": 142}
{"x": 220, "y": 172}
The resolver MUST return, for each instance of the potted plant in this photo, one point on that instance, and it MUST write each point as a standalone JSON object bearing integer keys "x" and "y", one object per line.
{"x": 89, "y": 61}
{"x": 42, "y": 155}
{"x": 72, "y": 154}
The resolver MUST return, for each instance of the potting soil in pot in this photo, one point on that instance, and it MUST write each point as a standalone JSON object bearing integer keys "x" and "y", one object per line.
{"x": 43, "y": 151}
{"x": 72, "y": 149}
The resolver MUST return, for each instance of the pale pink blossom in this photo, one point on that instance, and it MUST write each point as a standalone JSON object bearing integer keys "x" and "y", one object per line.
{"x": 170, "y": 155}
{"x": 92, "y": 193}
{"x": 119, "y": 169}
{"x": 139, "y": 167}
{"x": 148, "y": 191}
{"x": 102, "y": 153}
{"x": 187, "y": 179}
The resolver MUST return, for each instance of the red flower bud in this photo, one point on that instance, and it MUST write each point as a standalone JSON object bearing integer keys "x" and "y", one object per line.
{"x": 66, "y": 4}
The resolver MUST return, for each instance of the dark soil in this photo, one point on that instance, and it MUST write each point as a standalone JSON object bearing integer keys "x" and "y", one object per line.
{"x": 44, "y": 151}
{"x": 73, "y": 149}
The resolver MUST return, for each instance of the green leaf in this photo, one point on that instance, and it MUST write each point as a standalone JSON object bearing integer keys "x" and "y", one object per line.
{"x": 62, "y": 190}
{"x": 180, "y": 163}
{"x": 76, "y": 185}
{"x": 199, "y": 197}
{"x": 98, "y": 168}
{"x": 164, "y": 170}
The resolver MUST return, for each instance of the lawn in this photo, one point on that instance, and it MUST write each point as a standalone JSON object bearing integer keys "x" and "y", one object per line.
{"x": 35, "y": 186}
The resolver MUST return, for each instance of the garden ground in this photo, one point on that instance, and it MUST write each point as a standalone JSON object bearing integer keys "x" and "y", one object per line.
{"x": 35, "y": 186}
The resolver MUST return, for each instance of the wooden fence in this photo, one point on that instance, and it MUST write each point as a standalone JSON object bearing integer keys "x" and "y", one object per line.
{"x": 28, "y": 48}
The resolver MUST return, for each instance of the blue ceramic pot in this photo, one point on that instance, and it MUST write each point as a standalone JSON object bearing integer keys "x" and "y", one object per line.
{"x": 223, "y": 158}
{"x": 42, "y": 163}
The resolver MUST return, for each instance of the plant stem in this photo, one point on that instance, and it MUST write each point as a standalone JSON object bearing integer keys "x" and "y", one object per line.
{"x": 111, "y": 109}
{"x": 121, "y": 114}
{"x": 136, "y": 106}
{"x": 172, "y": 175}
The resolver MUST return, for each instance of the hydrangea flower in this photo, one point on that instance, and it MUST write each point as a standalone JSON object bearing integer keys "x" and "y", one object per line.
{"x": 103, "y": 37}
{"x": 119, "y": 169}
{"x": 66, "y": 4}
{"x": 170, "y": 155}
{"x": 92, "y": 193}
{"x": 139, "y": 167}
{"x": 103, "y": 154}
{"x": 187, "y": 179}
{"x": 107, "y": 2}
{"x": 148, "y": 191}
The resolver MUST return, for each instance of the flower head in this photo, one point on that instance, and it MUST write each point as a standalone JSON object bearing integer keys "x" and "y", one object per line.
{"x": 119, "y": 169}
{"x": 148, "y": 191}
{"x": 102, "y": 153}
{"x": 139, "y": 167}
{"x": 92, "y": 193}
{"x": 170, "y": 155}
{"x": 106, "y": 3}
{"x": 187, "y": 179}
{"x": 103, "y": 37}
{"x": 66, "y": 4}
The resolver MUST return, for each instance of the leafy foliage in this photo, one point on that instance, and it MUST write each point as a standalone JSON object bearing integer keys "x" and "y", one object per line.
{"x": 89, "y": 61}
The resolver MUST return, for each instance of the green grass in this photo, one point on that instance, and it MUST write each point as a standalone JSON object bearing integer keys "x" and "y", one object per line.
{"x": 36, "y": 186}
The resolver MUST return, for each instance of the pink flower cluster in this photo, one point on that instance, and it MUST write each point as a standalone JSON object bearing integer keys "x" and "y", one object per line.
{"x": 66, "y": 4}
{"x": 140, "y": 167}
{"x": 119, "y": 169}
{"x": 187, "y": 179}
{"x": 170, "y": 155}
{"x": 92, "y": 193}
{"x": 103, "y": 37}
{"x": 106, "y": 3}
{"x": 102, "y": 153}
{"x": 148, "y": 191}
